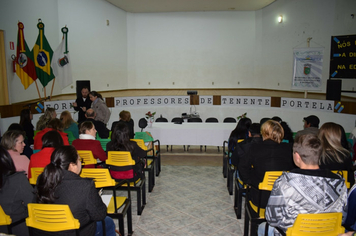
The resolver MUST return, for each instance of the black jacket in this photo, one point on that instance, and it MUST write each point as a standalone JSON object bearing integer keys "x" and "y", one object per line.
{"x": 130, "y": 124}
{"x": 80, "y": 103}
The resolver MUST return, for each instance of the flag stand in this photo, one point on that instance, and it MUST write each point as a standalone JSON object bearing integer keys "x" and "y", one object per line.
{"x": 54, "y": 80}
{"x": 38, "y": 91}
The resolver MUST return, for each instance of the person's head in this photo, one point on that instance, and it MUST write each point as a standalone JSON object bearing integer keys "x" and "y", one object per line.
{"x": 14, "y": 140}
{"x": 50, "y": 113}
{"x": 255, "y": 130}
{"x": 85, "y": 92}
{"x": 25, "y": 116}
{"x": 15, "y": 126}
{"x": 93, "y": 95}
{"x": 63, "y": 158}
{"x": 330, "y": 136}
{"x": 311, "y": 121}
{"x": 125, "y": 115}
{"x": 7, "y": 166}
{"x": 263, "y": 120}
{"x": 307, "y": 148}
{"x": 121, "y": 132}
{"x": 277, "y": 118}
{"x": 90, "y": 114}
{"x": 242, "y": 128}
{"x": 87, "y": 127}
{"x": 52, "y": 139}
{"x": 66, "y": 119}
{"x": 55, "y": 124}
{"x": 272, "y": 130}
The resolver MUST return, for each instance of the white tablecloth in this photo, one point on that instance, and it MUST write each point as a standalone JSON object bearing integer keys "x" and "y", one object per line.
{"x": 210, "y": 134}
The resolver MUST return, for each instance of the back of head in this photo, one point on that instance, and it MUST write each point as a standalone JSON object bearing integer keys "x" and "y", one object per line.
{"x": 120, "y": 137}
{"x": 263, "y": 120}
{"x": 55, "y": 124}
{"x": 309, "y": 148}
{"x": 96, "y": 94}
{"x": 255, "y": 129}
{"x": 312, "y": 120}
{"x": 85, "y": 126}
{"x": 125, "y": 115}
{"x": 45, "y": 118}
{"x": 10, "y": 137}
{"x": 15, "y": 126}
{"x": 90, "y": 114}
{"x": 330, "y": 136}
{"x": 277, "y": 118}
{"x": 7, "y": 166}
{"x": 52, "y": 175}
{"x": 52, "y": 139}
{"x": 66, "y": 119}
{"x": 272, "y": 130}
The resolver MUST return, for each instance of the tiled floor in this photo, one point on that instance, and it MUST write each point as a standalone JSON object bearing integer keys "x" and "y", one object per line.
{"x": 188, "y": 200}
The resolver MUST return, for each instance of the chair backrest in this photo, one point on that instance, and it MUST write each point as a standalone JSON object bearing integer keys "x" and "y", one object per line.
{"x": 178, "y": 120}
{"x": 195, "y": 119}
{"x": 161, "y": 119}
{"x": 344, "y": 174}
{"x": 269, "y": 179}
{"x": 51, "y": 217}
{"x": 143, "y": 135}
{"x": 36, "y": 150}
{"x": 142, "y": 123}
{"x": 325, "y": 224}
{"x": 140, "y": 143}
{"x": 87, "y": 157}
{"x": 110, "y": 132}
{"x": 120, "y": 158}
{"x": 229, "y": 120}
{"x": 4, "y": 219}
{"x": 212, "y": 120}
{"x": 71, "y": 137}
{"x": 103, "y": 142}
{"x": 101, "y": 177}
{"x": 35, "y": 172}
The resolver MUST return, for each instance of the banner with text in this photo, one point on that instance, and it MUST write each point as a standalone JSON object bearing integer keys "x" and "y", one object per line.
{"x": 59, "y": 106}
{"x": 152, "y": 101}
{"x": 245, "y": 101}
{"x": 307, "y": 68}
{"x": 206, "y": 100}
{"x": 307, "y": 104}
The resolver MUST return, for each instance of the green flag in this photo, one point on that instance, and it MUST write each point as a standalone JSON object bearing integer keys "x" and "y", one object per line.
{"x": 42, "y": 54}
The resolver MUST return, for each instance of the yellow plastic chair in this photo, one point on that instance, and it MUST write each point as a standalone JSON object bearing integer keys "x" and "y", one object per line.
{"x": 122, "y": 161}
{"x": 51, "y": 217}
{"x": 266, "y": 185}
{"x": 102, "y": 179}
{"x": 5, "y": 220}
{"x": 150, "y": 163}
{"x": 323, "y": 224}
{"x": 344, "y": 174}
{"x": 87, "y": 157}
{"x": 35, "y": 172}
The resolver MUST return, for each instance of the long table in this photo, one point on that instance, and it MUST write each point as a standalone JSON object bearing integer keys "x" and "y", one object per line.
{"x": 210, "y": 134}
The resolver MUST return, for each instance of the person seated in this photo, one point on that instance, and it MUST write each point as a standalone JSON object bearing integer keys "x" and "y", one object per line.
{"x": 311, "y": 125}
{"x": 120, "y": 141}
{"x": 26, "y": 123}
{"x": 47, "y": 116}
{"x": 269, "y": 155}
{"x": 125, "y": 116}
{"x": 15, "y": 193}
{"x": 50, "y": 141}
{"x": 27, "y": 151}
{"x": 13, "y": 142}
{"x": 56, "y": 125}
{"x": 103, "y": 132}
{"x": 334, "y": 156}
{"x": 69, "y": 124}
{"x": 307, "y": 189}
{"x": 87, "y": 141}
{"x": 288, "y": 134}
{"x": 240, "y": 153}
{"x": 60, "y": 183}
{"x": 350, "y": 222}
{"x": 239, "y": 133}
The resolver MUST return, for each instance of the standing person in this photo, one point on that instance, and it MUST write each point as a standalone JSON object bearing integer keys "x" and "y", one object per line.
{"x": 82, "y": 104}
{"x": 50, "y": 141}
{"x": 13, "y": 142}
{"x": 308, "y": 189}
{"x": 48, "y": 115}
{"x": 60, "y": 183}
{"x": 334, "y": 156}
{"x": 69, "y": 124}
{"x": 26, "y": 123}
{"x": 120, "y": 141}
{"x": 15, "y": 193}
{"x": 87, "y": 141}
{"x": 99, "y": 106}
{"x": 125, "y": 117}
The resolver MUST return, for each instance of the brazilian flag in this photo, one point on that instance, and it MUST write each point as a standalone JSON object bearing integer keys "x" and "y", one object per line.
{"x": 42, "y": 54}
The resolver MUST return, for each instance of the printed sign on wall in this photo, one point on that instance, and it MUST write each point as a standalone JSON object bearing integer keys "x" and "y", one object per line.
{"x": 245, "y": 101}
{"x": 59, "y": 106}
{"x": 152, "y": 101}
{"x": 307, "y": 104}
{"x": 206, "y": 100}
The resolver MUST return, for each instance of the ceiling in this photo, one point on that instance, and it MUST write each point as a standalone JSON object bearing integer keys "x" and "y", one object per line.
{"x": 145, "y": 6}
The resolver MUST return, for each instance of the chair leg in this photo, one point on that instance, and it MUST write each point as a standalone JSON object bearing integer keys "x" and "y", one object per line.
{"x": 230, "y": 178}
{"x": 218, "y": 149}
{"x": 121, "y": 225}
{"x": 129, "y": 220}
{"x": 224, "y": 167}
{"x": 168, "y": 148}
{"x": 237, "y": 200}
{"x": 158, "y": 165}
{"x": 247, "y": 222}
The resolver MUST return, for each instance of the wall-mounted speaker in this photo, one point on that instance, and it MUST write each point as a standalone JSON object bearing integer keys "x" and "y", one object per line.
{"x": 333, "y": 89}
{"x": 81, "y": 84}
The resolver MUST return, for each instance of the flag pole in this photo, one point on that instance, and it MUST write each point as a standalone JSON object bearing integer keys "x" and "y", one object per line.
{"x": 54, "y": 80}
{"x": 44, "y": 88}
{"x": 38, "y": 91}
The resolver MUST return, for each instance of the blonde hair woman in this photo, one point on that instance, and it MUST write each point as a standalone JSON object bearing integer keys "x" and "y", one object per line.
{"x": 48, "y": 115}
{"x": 334, "y": 156}
{"x": 69, "y": 124}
